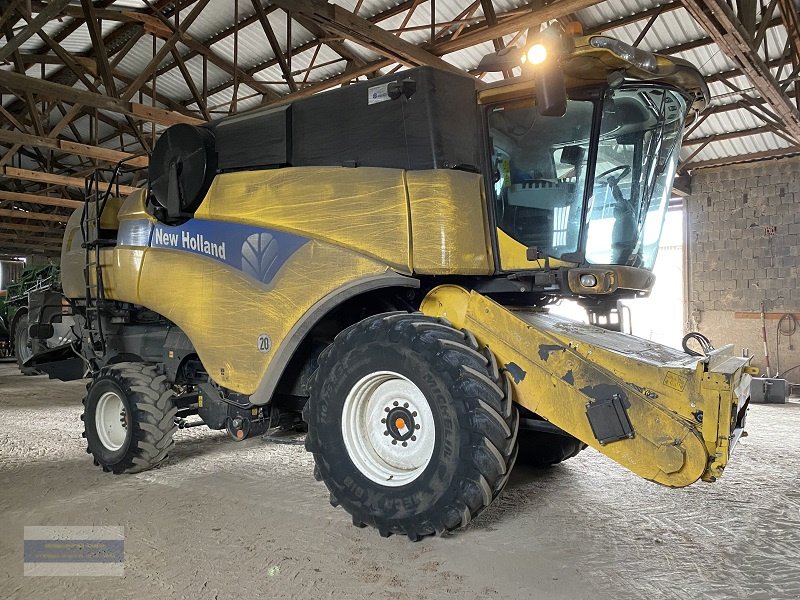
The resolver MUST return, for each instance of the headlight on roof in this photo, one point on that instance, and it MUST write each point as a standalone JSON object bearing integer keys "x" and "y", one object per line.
{"x": 637, "y": 57}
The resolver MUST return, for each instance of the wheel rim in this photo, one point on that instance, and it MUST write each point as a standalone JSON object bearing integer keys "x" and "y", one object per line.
{"x": 388, "y": 428}
{"x": 111, "y": 420}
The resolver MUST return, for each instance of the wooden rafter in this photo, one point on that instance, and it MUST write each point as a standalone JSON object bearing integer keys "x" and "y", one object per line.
{"x": 55, "y": 229}
{"x": 55, "y": 91}
{"x": 36, "y": 199}
{"x": 96, "y": 35}
{"x": 162, "y": 52}
{"x": 47, "y": 13}
{"x": 753, "y": 156}
{"x": 54, "y": 179}
{"x": 736, "y": 39}
{"x": 36, "y": 216}
{"x": 338, "y": 20}
{"x": 67, "y": 147}
{"x": 274, "y": 44}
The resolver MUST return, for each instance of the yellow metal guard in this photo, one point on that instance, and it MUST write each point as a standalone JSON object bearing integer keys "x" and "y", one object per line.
{"x": 684, "y": 410}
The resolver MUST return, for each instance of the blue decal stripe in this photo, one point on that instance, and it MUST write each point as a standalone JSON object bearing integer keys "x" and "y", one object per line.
{"x": 255, "y": 251}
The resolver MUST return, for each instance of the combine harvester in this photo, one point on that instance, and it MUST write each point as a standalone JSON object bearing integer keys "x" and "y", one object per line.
{"x": 380, "y": 259}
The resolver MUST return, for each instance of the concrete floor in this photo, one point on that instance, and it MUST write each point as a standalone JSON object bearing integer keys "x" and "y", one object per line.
{"x": 247, "y": 520}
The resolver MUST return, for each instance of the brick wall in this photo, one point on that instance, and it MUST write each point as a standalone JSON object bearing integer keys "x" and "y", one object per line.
{"x": 744, "y": 249}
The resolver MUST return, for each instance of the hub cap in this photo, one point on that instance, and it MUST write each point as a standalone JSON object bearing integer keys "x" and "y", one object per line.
{"x": 111, "y": 421}
{"x": 388, "y": 428}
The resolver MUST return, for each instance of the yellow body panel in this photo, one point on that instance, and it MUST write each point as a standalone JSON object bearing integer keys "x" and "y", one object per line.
{"x": 109, "y": 218}
{"x": 223, "y": 312}
{"x": 134, "y": 207}
{"x": 560, "y": 366}
{"x": 123, "y": 264}
{"x": 449, "y": 223}
{"x": 363, "y": 209}
{"x": 514, "y": 255}
{"x": 358, "y": 223}
{"x": 122, "y": 268}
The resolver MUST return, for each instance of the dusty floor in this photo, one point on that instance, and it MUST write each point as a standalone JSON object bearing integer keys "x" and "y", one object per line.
{"x": 228, "y": 520}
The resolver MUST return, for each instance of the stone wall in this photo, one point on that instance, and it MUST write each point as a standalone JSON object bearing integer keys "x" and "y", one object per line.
{"x": 744, "y": 249}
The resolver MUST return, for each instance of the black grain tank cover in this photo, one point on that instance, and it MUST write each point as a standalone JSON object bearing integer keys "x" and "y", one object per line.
{"x": 422, "y": 118}
{"x": 418, "y": 119}
{"x": 182, "y": 167}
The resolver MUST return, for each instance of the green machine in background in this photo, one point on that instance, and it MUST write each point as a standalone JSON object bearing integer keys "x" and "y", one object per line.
{"x": 32, "y": 282}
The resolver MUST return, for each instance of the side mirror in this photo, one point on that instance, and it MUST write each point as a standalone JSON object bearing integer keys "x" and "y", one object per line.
{"x": 551, "y": 90}
{"x": 543, "y": 58}
{"x": 502, "y": 60}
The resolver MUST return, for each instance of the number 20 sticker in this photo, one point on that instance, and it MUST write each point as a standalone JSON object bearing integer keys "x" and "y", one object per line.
{"x": 264, "y": 343}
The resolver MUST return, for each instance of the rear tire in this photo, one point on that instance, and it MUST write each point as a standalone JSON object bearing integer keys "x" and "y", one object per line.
{"x": 23, "y": 345}
{"x": 129, "y": 418}
{"x": 411, "y": 424}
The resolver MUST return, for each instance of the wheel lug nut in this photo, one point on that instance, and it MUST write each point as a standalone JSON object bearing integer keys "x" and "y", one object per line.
{"x": 405, "y": 405}
{"x": 405, "y": 444}
{"x": 383, "y": 420}
{"x": 386, "y": 432}
{"x": 414, "y": 414}
{"x": 386, "y": 409}
{"x": 396, "y": 403}
{"x": 413, "y": 438}
{"x": 394, "y": 442}
{"x": 417, "y": 426}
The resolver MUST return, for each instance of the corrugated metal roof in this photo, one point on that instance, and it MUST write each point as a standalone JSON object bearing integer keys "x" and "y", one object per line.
{"x": 673, "y": 27}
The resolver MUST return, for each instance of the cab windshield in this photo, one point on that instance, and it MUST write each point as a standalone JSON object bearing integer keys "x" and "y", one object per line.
{"x": 542, "y": 169}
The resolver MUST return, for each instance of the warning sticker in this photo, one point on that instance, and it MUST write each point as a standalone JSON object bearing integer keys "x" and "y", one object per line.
{"x": 675, "y": 381}
{"x": 378, "y": 93}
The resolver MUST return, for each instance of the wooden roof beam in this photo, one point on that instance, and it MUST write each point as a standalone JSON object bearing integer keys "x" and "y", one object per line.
{"x": 274, "y": 44}
{"x": 162, "y": 52}
{"x": 35, "y": 199}
{"x": 96, "y": 152}
{"x": 57, "y": 229}
{"x": 721, "y": 137}
{"x": 44, "y": 239}
{"x": 363, "y": 68}
{"x": 753, "y": 156}
{"x": 233, "y": 70}
{"x": 736, "y": 41}
{"x": 634, "y": 18}
{"x": 44, "y": 248}
{"x": 56, "y": 91}
{"x": 47, "y": 13}
{"x": 36, "y": 216}
{"x": 508, "y": 24}
{"x": 54, "y": 179}
{"x": 340, "y": 21}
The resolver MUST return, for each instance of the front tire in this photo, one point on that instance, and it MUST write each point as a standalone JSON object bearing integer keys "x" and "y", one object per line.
{"x": 411, "y": 424}
{"x": 23, "y": 345}
{"x": 542, "y": 450}
{"x": 129, "y": 418}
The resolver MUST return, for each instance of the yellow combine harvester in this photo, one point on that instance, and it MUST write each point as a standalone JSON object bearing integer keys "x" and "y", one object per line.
{"x": 380, "y": 257}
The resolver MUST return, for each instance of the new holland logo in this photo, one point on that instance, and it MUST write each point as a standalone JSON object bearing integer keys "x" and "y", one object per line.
{"x": 259, "y": 255}
{"x": 257, "y": 252}
{"x": 187, "y": 241}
